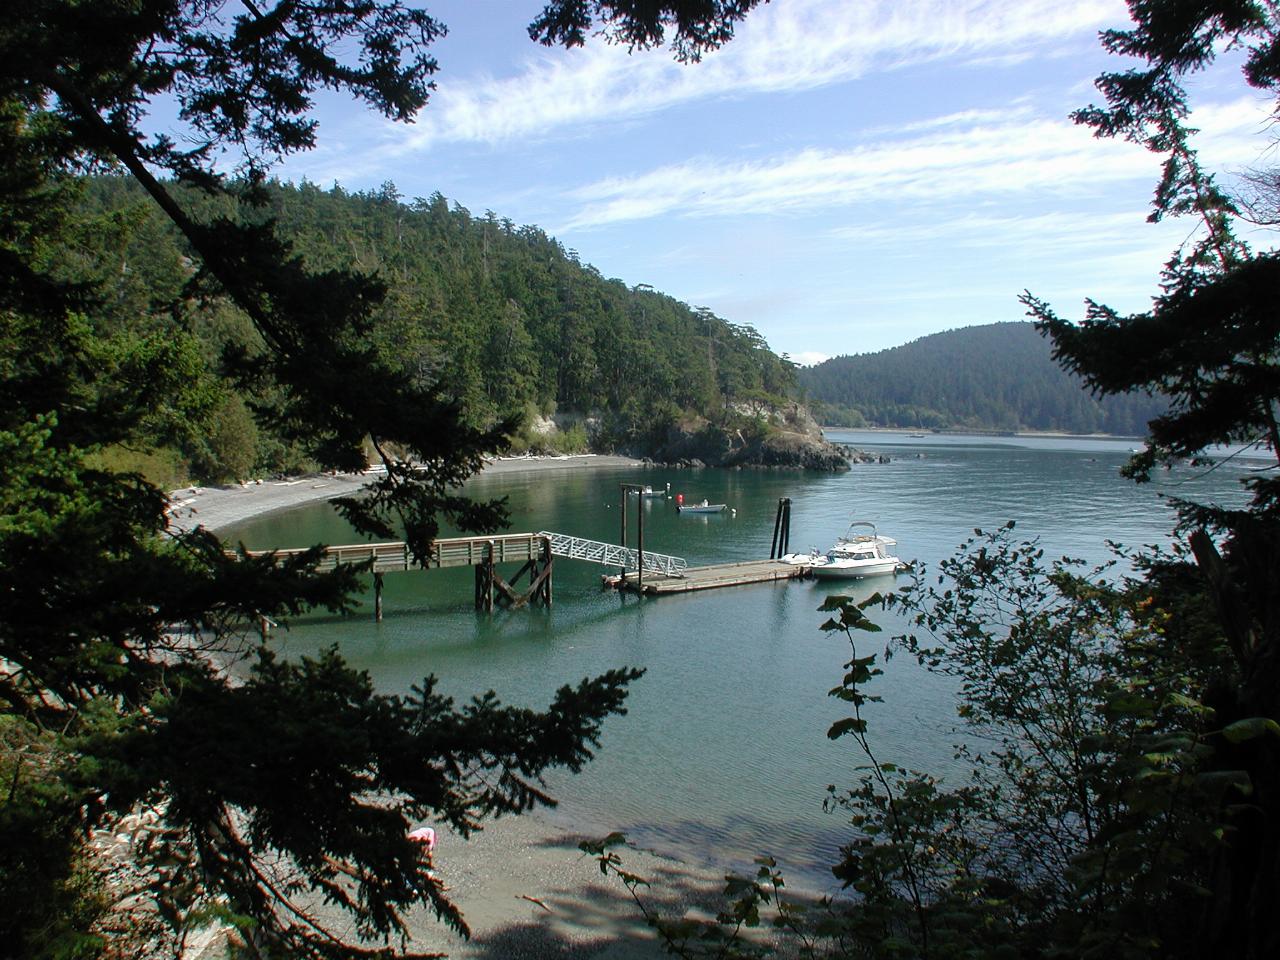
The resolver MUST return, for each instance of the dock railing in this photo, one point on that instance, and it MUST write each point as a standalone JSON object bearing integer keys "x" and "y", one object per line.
{"x": 612, "y": 555}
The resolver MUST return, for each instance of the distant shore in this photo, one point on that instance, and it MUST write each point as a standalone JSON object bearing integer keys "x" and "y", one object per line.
{"x": 217, "y": 508}
{"x": 928, "y": 432}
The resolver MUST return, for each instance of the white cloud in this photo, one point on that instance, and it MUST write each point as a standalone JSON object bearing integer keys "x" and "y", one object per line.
{"x": 787, "y": 46}
{"x": 964, "y": 157}
{"x": 1052, "y": 234}
{"x": 1235, "y": 134}
{"x": 984, "y": 161}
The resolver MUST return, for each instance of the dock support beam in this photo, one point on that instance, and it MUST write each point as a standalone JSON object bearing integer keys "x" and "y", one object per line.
{"x": 377, "y": 597}
{"x": 491, "y": 587}
{"x": 547, "y": 571}
{"x": 484, "y": 584}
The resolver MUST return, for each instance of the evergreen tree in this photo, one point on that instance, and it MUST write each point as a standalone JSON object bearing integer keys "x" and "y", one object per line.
{"x": 1210, "y": 343}
{"x": 298, "y": 783}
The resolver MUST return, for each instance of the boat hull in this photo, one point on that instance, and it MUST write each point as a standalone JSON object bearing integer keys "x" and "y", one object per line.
{"x": 855, "y": 570}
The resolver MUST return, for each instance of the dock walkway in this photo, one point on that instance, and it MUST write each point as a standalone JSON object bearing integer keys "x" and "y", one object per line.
{"x": 714, "y": 576}
{"x": 650, "y": 574}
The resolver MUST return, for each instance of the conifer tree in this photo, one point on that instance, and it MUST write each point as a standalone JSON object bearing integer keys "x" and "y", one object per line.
{"x": 1210, "y": 342}
{"x": 295, "y": 785}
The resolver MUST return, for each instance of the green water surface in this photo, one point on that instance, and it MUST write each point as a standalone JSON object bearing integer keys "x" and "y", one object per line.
{"x": 723, "y": 753}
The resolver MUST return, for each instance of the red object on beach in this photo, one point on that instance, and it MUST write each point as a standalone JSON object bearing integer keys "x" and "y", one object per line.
{"x": 679, "y": 499}
{"x": 426, "y": 836}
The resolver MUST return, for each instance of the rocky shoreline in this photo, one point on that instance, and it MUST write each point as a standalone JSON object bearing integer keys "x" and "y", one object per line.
{"x": 822, "y": 462}
{"x": 785, "y": 439}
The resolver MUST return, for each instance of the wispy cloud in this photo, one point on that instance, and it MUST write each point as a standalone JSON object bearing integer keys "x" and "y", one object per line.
{"x": 784, "y": 47}
{"x": 1053, "y": 233}
{"x": 987, "y": 160}
{"x": 970, "y": 156}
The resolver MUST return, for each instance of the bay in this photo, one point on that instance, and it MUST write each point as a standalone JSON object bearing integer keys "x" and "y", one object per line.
{"x": 723, "y": 753}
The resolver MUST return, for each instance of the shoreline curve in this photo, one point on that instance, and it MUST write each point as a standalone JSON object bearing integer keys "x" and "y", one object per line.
{"x": 216, "y": 508}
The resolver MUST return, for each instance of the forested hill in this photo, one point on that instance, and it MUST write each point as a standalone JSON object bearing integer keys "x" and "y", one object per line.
{"x": 503, "y": 316}
{"x": 993, "y": 377}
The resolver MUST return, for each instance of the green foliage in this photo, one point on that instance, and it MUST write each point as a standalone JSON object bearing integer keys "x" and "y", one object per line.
{"x": 696, "y": 27}
{"x": 994, "y": 377}
{"x": 1210, "y": 343}
{"x": 1096, "y": 802}
{"x": 163, "y": 468}
{"x": 1210, "y": 340}
{"x": 500, "y": 319}
{"x": 1122, "y": 729}
{"x": 51, "y": 893}
{"x": 124, "y": 332}
{"x": 232, "y": 442}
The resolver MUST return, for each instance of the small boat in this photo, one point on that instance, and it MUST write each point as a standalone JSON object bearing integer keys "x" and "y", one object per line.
{"x": 650, "y": 492}
{"x": 861, "y": 552}
{"x": 702, "y": 507}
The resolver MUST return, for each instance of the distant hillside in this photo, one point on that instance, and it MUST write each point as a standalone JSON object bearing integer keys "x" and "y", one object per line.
{"x": 503, "y": 317}
{"x": 993, "y": 377}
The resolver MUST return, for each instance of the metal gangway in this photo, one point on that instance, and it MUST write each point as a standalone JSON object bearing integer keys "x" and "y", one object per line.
{"x": 612, "y": 555}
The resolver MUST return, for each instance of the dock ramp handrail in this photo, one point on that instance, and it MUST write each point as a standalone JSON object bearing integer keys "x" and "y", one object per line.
{"x": 612, "y": 555}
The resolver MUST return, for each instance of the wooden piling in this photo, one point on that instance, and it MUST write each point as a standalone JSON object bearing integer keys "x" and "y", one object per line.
{"x": 781, "y": 545}
{"x": 640, "y": 542}
{"x": 624, "y": 491}
{"x": 488, "y": 579}
{"x": 377, "y": 597}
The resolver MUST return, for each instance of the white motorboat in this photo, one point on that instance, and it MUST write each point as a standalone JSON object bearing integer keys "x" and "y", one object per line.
{"x": 861, "y": 552}
{"x": 702, "y": 507}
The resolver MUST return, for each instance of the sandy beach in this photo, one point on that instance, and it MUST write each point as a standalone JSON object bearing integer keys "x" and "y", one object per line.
{"x": 528, "y": 892}
{"x": 523, "y": 885}
{"x": 216, "y": 508}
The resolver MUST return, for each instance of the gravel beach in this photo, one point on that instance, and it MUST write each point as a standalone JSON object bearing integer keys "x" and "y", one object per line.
{"x": 218, "y": 507}
{"x": 522, "y": 884}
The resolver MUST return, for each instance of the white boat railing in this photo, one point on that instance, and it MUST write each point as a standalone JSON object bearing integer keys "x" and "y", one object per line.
{"x": 612, "y": 555}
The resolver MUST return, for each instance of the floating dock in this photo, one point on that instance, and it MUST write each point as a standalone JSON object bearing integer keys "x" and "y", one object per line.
{"x": 642, "y": 571}
{"x": 711, "y": 577}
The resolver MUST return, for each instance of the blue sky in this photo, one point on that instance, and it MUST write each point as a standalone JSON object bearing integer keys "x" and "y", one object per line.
{"x": 844, "y": 176}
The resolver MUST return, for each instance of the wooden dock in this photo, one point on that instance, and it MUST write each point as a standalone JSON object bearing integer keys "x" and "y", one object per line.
{"x": 446, "y": 552}
{"x": 649, "y": 574}
{"x": 531, "y": 550}
{"x": 712, "y": 577}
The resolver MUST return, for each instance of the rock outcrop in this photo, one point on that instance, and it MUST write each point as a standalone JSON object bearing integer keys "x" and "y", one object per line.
{"x": 786, "y": 438}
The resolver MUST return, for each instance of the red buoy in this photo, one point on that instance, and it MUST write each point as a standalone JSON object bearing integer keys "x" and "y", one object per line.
{"x": 679, "y": 499}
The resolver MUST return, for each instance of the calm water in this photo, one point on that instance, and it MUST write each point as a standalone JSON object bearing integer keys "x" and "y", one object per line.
{"x": 723, "y": 753}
